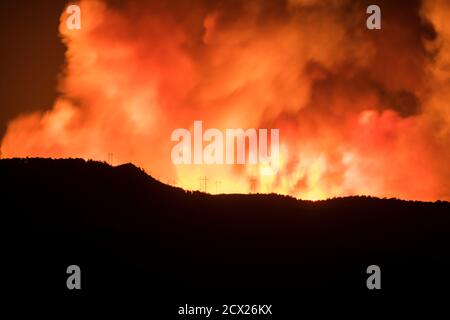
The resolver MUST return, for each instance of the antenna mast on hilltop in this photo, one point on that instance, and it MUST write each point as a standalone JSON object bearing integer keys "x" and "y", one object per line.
{"x": 204, "y": 181}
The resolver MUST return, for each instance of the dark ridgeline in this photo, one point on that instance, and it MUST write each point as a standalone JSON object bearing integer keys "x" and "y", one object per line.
{"x": 127, "y": 231}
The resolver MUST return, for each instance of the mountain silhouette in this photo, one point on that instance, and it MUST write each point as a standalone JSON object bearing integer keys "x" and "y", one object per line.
{"x": 128, "y": 231}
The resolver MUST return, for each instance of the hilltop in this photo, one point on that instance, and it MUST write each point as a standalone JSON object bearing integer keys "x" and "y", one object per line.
{"x": 129, "y": 230}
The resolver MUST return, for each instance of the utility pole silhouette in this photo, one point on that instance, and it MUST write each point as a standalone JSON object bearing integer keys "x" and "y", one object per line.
{"x": 204, "y": 181}
{"x": 110, "y": 158}
{"x": 217, "y": 185}
{"x": 252, "y": 184}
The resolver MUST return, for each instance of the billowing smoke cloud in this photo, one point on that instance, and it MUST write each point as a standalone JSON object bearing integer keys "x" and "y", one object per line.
{"x": 359, "y": 111}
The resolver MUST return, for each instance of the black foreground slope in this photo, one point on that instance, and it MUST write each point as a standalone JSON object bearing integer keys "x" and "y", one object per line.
{"x": 127, "y": 231}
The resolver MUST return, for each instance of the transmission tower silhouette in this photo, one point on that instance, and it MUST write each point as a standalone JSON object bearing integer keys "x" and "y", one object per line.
{"x": 203, "y": 183}
{"x": 252, "y": 184}
{"x": 218, "y": 182}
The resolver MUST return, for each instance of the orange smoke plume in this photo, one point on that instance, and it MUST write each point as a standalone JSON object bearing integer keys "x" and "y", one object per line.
{"x": 360, "y": 112}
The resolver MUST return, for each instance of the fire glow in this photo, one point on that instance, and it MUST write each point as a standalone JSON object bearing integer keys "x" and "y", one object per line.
{"x": 360, "y": 112}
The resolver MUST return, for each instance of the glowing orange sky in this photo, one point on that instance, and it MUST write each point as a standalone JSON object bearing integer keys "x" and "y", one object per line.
{"x": 359, "y": 111}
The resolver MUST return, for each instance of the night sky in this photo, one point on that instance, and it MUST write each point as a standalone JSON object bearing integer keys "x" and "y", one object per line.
{"x": 32, "y": 56}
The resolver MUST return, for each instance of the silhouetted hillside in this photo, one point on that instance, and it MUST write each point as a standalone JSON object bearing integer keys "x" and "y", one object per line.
{"x": 127, "y": 230}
